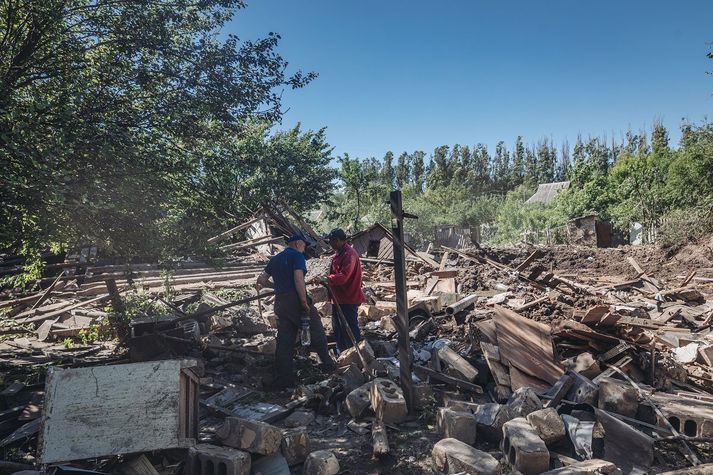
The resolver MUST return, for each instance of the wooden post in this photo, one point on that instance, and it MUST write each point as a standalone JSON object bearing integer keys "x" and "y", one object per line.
{"x": 402, "y": 323}
{"x": 116, "y": 301}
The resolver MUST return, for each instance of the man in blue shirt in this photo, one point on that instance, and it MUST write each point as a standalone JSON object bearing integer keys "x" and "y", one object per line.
{"x": 288, "y": 269}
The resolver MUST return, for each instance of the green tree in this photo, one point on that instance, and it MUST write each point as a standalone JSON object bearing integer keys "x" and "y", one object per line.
{"x": 518, "y": 163}
{"x": 387, "y": 171}
{"x": 418, "y": 170}
{"x": 402, "y": 171}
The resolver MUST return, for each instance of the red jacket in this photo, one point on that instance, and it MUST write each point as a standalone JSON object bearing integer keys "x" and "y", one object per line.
{"x": 345, "y": 277}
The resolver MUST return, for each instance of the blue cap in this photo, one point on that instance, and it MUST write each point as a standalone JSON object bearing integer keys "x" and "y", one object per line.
{"x": 297, "y": 237}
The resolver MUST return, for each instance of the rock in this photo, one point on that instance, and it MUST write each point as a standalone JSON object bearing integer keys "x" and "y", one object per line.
{"x": 357, "y": 401}
{"x": 617, "y": 396}
{"x": 319, "y": 295}
{"x": 352, "y": 376}
{"x": 584, "y": 364}
{"x": 274, "y": 464}
{"x": 350, "y": 355}
{"x": 489, "y": 418}
{"x": 295, "y": 445}
{"x": 299, "y": 418}
{"x": 454, "y": 456}
{"x": 371, "y": 313}
{"x": 587, "y": 467}
{"x": 321, "y": 462}
{"x": 388, "y": 401}
{"x": 456, "y": 425}
{"x": 523, "y": 448}
{"x": 324, "y": 309}
{"x": 253, "y": 436}
{"x": 388, "y": 324}
{"x": 522, "y": 402}
{"x": 548, "y": 424}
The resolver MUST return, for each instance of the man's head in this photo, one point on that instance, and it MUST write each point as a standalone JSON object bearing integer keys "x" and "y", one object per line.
{"x": 297, "y": 242}
{"x": 337, "y": 239}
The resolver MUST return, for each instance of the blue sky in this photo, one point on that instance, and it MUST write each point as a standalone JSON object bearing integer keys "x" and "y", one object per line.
{"x": 411, "y": 75}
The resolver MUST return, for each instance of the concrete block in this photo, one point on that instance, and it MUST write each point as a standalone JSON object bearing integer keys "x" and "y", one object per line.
{"x": 321, "y": 462}
{"x": 274, "y": 464}
{"x": 618, "y": 396}
{"x": 548, "y": 424}
{"x": 358, "y": 401}
{"x": 352, "y": 376}
{"x": 587, "y": 467}
{"x": 295, "y": 445}
{"x": 522, "y": 402}
{"x": 206, "y": 459}
{"x": 253, "y": 436}
{"x": 299, "y": 418}
{"x": 454, "y": 456}
{"x": 489, "y": 418}
{"x": 456, "y": 425}
{"x": 523, "y": 448}
{"x": 350, "y": 355}
{"x": 388, "y": 324}
{"x": 423, "y": 395}
{"x": 388, "y": 401}
{"x": 584, "y": 364}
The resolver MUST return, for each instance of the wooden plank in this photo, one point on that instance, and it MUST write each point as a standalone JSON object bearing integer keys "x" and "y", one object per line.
{"x": 527, "y": 345}
{"x": 47, "y": 316}
{"x": 112, "y": 410}
{"x": 652, "y": 285}
{"x": 45, "y": 295}
{"x": 535, "y": 254}
{"x": 240, "y": 227}
{"x": 458, "y": 363}
{"x": 520, "y": 379}
{"x": 444, "y": 260}
{"x": 500, "y": 373}
{"x": 253, "y": 243}
{"x": 380, "y": 438}
{"x": 428, "y": 259}
{"x": 435, "y": 375}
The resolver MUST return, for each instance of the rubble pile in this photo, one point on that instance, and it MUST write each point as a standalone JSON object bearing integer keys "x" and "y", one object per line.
{"x": 522, "y": 361}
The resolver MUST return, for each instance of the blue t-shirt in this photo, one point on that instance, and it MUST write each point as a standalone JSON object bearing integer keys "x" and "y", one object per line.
{"x": 282, "y": 269}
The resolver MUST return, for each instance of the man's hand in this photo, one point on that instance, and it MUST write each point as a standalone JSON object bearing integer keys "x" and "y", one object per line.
{"x": 305, "y": 305}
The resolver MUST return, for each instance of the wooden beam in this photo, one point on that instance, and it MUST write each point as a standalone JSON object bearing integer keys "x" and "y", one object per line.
{"x": 237, "y": 228}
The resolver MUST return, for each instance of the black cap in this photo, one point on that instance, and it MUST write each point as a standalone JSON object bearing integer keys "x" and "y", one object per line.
{"x": 337, "y": 234}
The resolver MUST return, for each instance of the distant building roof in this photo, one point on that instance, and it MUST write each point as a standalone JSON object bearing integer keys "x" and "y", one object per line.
{"x": 547, "y": 192}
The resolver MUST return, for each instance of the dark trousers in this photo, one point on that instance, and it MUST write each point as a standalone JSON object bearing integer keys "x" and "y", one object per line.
{"x": 340, "y": 334}
{"x": 288, "y": 310}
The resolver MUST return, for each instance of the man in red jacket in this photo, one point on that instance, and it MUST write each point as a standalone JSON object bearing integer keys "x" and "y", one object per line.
{"x": 344, "y": 281}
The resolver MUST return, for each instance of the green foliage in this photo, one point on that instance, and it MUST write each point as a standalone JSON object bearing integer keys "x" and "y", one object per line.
{"x": 90, "y": 335}
{"x": 136, "y": 304}
{"x": 514, "y": 217}
{"x": 133, "y": 124}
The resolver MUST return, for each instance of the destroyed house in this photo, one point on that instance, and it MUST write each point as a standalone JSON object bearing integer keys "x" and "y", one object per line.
{"x": 376, "y": 242}
{"x": 457, "y": 237}
{"x": 547, "y": 192}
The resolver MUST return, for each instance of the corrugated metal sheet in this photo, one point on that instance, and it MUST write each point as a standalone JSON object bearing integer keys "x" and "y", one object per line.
{"x": 546, "y": 192}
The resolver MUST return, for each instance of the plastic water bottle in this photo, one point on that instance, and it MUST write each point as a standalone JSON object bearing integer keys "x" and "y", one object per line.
{"x": 305, "y": 337}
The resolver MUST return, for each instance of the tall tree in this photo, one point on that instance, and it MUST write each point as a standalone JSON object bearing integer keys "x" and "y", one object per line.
{"x": 501, "y": 167}
{"x": 387, "y": 171}
{"x": 659, "y": 138}
{"x": 418, "y": 170}
{"x": 518, "y": 163}
{"x": 402, "y": 171}
{"x": 440, "y": 173}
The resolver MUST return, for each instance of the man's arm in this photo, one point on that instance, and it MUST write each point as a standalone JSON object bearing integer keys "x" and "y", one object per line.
{"x": 263, "y": 280}
{"x": 342, "y": 274}
{"x": 301, "y": 289}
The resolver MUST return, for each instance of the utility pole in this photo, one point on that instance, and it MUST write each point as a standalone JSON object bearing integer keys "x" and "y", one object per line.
{"x": 405, "y": 352}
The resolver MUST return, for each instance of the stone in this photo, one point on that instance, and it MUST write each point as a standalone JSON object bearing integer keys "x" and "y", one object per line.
{"x": 295, "y": 445}
{"x": 584, "y": 364}
{"x": 523, "y": 448}
{"x": 489, "y": 418}
{"x": 253, "y": 436}
{"x": 422, "y": 395}
{"x": 352, "y": 376}
{"x": 388, "y": 324}
{"x": 456, "y": 425}
{"x": 204, "y": 459}
{"x": 319, "y": 294}
{"x": 522, "y": 402}
{"x": 371, "y": 313}
{"x": 274, "y": 464}
{"x": 269, "y": 346}
{"x": 388, "y": 401}
{"x": 587, "y": 467}
{"x": 618, "y": 396}
{"x": 321, "y": 462}
{"x": 299, "y": 418}
{"x": 548, "y": 424}
{"x": 324, "y": 309}
{"x": 350, "y": 355}
{"x": 357, "y": 401}
{"x": 454, "y": 456}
